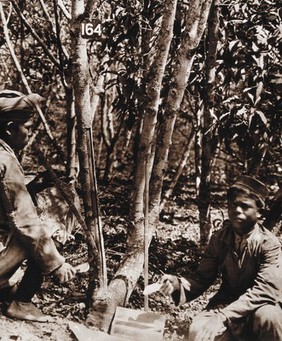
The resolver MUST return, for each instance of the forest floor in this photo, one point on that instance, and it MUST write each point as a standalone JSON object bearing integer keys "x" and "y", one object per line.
{"x": 174, "y": 249}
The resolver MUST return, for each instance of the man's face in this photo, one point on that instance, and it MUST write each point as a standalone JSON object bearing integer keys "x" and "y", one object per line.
{"x": 243, "y": 213}
{"x": 19, "y": 135}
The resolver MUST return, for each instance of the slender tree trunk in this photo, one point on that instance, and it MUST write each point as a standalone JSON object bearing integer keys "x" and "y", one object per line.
{"x": 128, "y": 135}
{"x": 196, "y": 20}
{"x": 182, "y": 164}
{"x": 145, "y": 157}
{"x": 81, "y": 86}
{"x": 99, "y": 88}
{"x": 209, "y": 142}
{"x": 258, "y": 157}
{"x": 108, "y": 131}
{"x": 121, "y": 286}
{"x": 198, "y": 146}
{"x": 72, "y": 165}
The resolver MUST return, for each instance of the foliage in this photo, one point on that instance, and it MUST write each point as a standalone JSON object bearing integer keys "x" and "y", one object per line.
{"x": 248, "y": 79}
{"x": 246, "y": 117}
{"x": 248, "y": 72}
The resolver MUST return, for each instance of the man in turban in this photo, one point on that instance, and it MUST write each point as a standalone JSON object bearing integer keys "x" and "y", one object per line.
{"x": 22, "y": 233}
{"x": 247, "y": 305}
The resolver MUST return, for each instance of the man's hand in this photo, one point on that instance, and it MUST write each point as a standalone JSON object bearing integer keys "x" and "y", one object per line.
{"x": 42, "y": 181}
{"x": 64, "y": 273}
{"x": 214, "y": 327}
{"x": 169, "y": 284}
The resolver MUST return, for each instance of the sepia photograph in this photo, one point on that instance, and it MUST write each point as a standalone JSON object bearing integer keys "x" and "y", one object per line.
{"x": 141, "y": 170}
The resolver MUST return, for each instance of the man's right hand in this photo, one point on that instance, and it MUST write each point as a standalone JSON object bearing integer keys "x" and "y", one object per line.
{"x": 169, "y": 284}
{"x": 64, "y": 273}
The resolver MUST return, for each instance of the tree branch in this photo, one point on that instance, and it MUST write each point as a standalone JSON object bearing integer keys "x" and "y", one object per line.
{"x": 61, "y": 50}
{"x": 89, "y": 8}
{"x": 47, "y": 16}
{"x": 35, "y": 35}
{"x": 64, "y": 10}
{"x": 24, "y": 80}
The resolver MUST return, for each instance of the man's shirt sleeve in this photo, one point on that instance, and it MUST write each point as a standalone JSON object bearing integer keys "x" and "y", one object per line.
{"x": 203, "y": 278}
{"x": 23, "y": 218}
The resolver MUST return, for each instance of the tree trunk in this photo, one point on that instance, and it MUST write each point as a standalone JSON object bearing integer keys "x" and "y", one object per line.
{"x": 198, "y": 146}
{"x": 196, "y": 20}
{"x": 209, "y": 142}
{"x": 81, "y": 86}
{"x": 121, "y": 286}
{"x": 182, "y": 164}
{"x": 72, "y": 166}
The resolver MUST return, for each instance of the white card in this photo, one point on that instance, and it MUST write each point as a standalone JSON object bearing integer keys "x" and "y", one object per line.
{"x": 152, "y": 288}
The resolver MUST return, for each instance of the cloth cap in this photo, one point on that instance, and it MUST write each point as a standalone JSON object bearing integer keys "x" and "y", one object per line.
{"x": 253, "y": 186}
{"x": 15, "y": 106}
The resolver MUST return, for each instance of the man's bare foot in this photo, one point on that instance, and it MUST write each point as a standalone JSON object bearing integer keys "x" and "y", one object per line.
{"x": 27, "y": 311}
{"x": 7, "y": 294}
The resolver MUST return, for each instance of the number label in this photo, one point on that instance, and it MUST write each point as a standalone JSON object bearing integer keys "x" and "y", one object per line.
{"x": 91, "y": 29}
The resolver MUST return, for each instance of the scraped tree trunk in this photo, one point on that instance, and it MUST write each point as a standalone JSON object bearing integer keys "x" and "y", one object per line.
{"x": 120, "y": 288}
{"x": 81, "y": 86}
{"x": 209, "y": 141}
{"x": 196, "y": 20}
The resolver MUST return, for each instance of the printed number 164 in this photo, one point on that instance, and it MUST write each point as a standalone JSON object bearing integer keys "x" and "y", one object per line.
{"x": 91, "y": 29}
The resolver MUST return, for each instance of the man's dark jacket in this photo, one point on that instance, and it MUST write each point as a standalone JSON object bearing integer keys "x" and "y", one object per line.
{"x": 249, "y": 281}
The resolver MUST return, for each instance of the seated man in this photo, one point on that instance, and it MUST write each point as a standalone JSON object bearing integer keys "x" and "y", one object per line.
{"x": 248, "y": 256}
{"x": 22, "y": 233}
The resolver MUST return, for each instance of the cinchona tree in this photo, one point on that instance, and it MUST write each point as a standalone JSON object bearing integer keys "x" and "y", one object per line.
{"x": 120, "y": 288}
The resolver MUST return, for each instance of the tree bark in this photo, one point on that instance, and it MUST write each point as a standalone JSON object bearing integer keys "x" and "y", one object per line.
{"x": 81, "y": 86}
{"x": 196, "y": 20}
{"x": 209, "y": 141}
{"x": 120, "y": 288}
{"x": 182, "y": 164}
{"x": 72, "y": 165}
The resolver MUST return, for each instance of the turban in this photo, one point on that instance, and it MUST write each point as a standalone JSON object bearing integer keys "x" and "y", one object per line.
{"x": 15, "y": 106}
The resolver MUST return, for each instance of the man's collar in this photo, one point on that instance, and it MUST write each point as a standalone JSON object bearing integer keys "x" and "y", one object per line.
{"x": 246, "y": 235}
{"x": 6, "y": 147}
{"x": 248, "y": 238}
{"x": 230, "y": 234}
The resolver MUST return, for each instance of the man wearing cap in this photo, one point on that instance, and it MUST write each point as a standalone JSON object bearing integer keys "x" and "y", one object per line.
{"x": 23, "y": 235}
{"x": 247, "y": 305}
